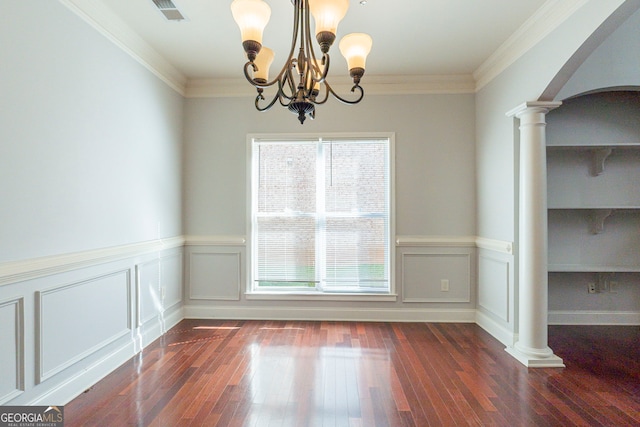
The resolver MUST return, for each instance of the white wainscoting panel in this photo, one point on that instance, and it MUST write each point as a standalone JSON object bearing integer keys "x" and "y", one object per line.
{"x": 171, "y": 279}
{"x": 423, "y": 273}
{"x": 12, "y": 354}
{"x": 77, "y": 319}
{"x": 214, "y": 274}
{"x": 148, "y": 291}
{"x": 493, "y": 286}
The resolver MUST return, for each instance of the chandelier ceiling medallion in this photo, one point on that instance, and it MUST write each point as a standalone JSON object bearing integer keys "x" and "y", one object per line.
{"x": 302, "y": 81}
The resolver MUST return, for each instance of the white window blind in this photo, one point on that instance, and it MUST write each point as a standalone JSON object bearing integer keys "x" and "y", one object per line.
{"x": 320, "y": 215}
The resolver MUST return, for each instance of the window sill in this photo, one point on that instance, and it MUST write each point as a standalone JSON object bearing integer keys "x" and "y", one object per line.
{"x": 318, "y": 296}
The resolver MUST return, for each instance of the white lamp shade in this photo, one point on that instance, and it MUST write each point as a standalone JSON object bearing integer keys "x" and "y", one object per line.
{"x": 263, "y": 61}
{"x": 251, "y": 16}
{"x": 355, "y": 47}
{"x": 327, "y": 14}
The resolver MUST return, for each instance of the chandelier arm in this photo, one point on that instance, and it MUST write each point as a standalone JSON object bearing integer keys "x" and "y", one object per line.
{"x": 268, "y": 106}
{"x": 326, "y": 96}
{"x": 288, "y": 79}
{"x": 346, "y": 101}
{"x": 296, "y": 26}
{"x": 279, "y": 96}
{"x": 248, "y": 65}
{"x": 286, "y": 68}
{"x": 282, "y": 98}
{"x": 312, "y": 61}
{"x": 282, "y": 95}
{"x": 323, "y": 74}
{"x": 288, "y": 64}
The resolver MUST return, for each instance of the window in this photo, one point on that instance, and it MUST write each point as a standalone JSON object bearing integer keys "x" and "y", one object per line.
{"x": 320, "y": 215}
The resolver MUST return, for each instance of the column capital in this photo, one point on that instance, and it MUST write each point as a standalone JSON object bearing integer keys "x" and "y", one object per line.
{"x": 533, "y": 107}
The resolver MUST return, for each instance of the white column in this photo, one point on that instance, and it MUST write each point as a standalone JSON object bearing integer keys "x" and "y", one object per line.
{"x": 531, "y": 347}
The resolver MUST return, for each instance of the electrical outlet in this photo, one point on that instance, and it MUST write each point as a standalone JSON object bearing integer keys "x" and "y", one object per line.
{"x": 613, "y": 287}
{"x": 591, "y": 287}
{"x": 444, "y": 285}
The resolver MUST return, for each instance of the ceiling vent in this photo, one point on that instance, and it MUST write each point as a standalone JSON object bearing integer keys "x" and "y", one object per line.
{"x": 169, "y": 10}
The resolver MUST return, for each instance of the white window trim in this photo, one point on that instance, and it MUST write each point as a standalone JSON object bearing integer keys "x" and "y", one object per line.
{"x": 312, "y": 295}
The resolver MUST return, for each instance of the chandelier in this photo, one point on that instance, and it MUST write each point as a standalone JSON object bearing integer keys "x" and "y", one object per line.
{"x": 302, "y": 82}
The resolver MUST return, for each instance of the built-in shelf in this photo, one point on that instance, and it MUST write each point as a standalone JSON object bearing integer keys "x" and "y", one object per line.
{"x": 597, "y": 216}
{"x": 582, "y": 268}
{"x": 592, "y": 207}
{"x": 593, "y": 197}
{"x": 580, "y": 146}
{"x": 599, "y": 153}
{"x": 593, "y": 193}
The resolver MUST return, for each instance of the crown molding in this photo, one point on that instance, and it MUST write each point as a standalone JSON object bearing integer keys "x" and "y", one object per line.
{"x": 113, "y": 28}
{"x": 539, "y": 25}
{"x": 546, "y": 19}
{"x": 373, "y": 85}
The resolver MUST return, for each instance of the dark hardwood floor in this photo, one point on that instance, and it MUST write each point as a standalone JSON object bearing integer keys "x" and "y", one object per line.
{"x": 267, "y": 373}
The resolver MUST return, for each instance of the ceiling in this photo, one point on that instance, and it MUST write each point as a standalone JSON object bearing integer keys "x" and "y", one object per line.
{"x": 412, "y": 39}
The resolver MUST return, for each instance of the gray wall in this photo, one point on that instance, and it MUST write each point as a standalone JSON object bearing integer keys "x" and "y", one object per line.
{"x": 434, "y": 193}
{"x": 91, "y": 141}
{"x": 90, "y": 180}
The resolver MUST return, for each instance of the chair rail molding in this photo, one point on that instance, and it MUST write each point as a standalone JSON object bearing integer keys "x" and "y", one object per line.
{"x": 16, "y": 271}
{"x": 204, "y": 240}
{"x": 455, "y": 241}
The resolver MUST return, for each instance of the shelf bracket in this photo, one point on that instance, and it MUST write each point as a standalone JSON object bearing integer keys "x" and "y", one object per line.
{"x": 597, "y": 218}
{"x": 599, "y": 156}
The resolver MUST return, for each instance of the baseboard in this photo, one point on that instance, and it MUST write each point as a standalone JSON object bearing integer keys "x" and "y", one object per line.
{"x": 156, "y": 327}
{"x": 86, "y": 378}
{"x": 495, "y": 329}
{"x": 330, "y": 314}
{"x": 172, "y": 317}
{"x": 594, "y": 317}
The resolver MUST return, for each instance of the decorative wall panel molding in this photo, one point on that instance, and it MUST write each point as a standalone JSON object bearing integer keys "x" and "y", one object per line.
{"x": 12, "y": 361}
{"x": 17, "y": 271}
{"x": 75, "y": 320}
{"x": 436, "y": 277}
{"x": 148, "y": 294}
{"x": 214, "y": 274}
{"x": 493, "y": 286}
{"x": 171, "y": 277}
